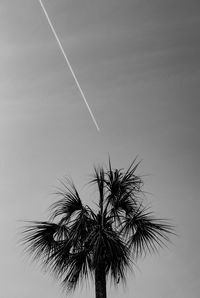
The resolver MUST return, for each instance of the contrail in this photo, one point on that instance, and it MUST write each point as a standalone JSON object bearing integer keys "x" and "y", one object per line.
{"x": 69, "y": 65}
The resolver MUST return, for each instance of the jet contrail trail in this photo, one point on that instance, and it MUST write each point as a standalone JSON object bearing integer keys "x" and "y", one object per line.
{"x": 69, "y": 65}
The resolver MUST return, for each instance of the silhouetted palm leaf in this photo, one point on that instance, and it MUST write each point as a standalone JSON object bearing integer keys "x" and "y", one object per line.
{"x": 146, "y": 233}
{"x": 123, "y": 188}
{"x": 69, "y": 203}
{"x": 39, "y": 241}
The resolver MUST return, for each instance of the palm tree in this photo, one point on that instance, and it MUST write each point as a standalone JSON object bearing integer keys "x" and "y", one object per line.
{"x": 79, "y": 242}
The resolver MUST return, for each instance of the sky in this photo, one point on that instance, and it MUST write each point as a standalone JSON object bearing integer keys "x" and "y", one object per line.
{"x": 138, "y": 63}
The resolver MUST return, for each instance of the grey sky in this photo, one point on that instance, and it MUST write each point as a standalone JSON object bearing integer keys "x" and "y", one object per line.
{"x": 138, "y": 64}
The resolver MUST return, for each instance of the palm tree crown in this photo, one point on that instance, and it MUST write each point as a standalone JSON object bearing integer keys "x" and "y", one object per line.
{"x": 78, "y": 242}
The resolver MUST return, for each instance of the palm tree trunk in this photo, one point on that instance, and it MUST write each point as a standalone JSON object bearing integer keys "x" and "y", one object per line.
{"x": 100, "y": 282}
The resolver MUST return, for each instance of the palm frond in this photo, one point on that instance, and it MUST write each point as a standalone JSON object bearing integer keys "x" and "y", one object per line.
{"x": 130, "y": 181}
{"x": 59, "y": 259}
{"x": 145, "y": 233}
{"x": 76, "y": 270}
{"x": 99, "y": 179}
{"x": 109, "y": 249}
{"x": 80, "y": 228}
{"x": 123, "y": 188}
{"x": 117, "y": 255}
{"x": 69, "y": 203}
{"x": 38, "y": 240}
